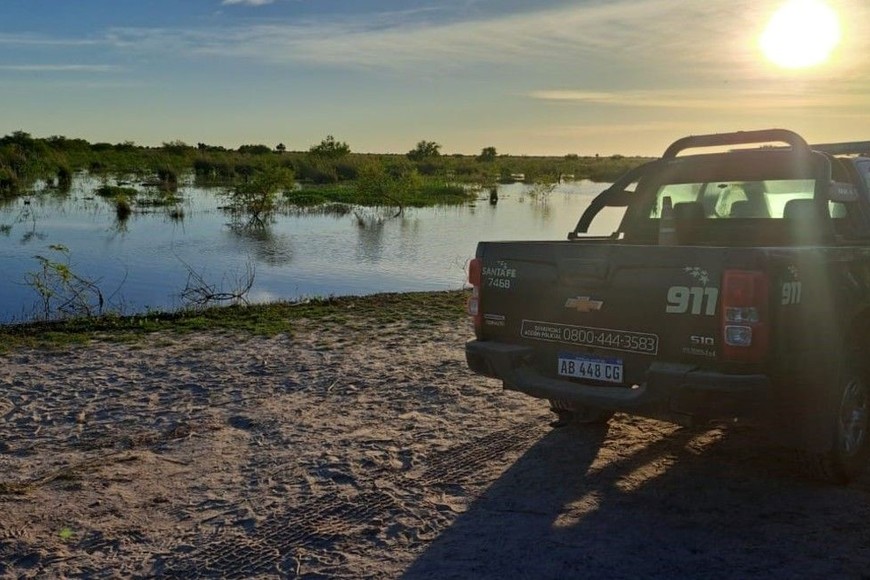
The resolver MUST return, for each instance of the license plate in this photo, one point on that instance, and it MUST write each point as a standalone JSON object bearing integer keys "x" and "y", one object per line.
{"x": 587, "y": 367}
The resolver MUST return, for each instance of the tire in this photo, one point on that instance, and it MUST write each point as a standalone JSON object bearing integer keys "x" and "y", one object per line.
{"x": 850, "y": 425}
{"x": 575, "y": 414}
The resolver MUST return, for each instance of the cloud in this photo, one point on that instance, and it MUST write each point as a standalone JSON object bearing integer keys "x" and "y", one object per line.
{"x": 95, "y": 68}
{"x": 247, "y": 2}
{"x": 649, "y": 43}
{"x": 610, "y": 129}
{"x": 724, "y": 98}
{"x": 35, "y": 40}
{"x": 576, "y": 35}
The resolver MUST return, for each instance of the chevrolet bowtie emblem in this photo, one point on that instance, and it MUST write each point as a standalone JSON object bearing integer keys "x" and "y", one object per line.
{"x": 584, "y": 304}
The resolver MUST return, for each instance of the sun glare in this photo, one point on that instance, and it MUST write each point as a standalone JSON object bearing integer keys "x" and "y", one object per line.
{"x": 801, "y": 34}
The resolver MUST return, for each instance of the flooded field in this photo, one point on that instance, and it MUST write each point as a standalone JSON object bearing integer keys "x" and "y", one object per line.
{"x": 146, "y": 261}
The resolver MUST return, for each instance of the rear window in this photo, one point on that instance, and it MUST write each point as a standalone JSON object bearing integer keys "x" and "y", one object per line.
{"x": 740, "y": 199}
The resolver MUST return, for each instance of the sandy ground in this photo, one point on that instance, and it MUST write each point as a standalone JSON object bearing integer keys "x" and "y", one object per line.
{"x": 342, "y": 452}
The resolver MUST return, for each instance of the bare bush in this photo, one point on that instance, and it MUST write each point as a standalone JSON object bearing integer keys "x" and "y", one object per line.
{"x": 199, "y": 293}
{"x": 64, "y": 293}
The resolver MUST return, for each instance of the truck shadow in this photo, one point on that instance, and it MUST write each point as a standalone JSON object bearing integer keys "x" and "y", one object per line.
{"x": 580, "y": 503}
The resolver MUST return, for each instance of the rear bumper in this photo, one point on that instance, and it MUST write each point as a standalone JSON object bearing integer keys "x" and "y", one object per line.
{"x": 673, "y": 391}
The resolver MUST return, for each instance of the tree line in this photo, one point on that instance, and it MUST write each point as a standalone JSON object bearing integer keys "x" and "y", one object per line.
{"x": 25, "y": 159}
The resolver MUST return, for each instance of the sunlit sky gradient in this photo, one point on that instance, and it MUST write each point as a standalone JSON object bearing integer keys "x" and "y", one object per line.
{"x": 550, "y": 77}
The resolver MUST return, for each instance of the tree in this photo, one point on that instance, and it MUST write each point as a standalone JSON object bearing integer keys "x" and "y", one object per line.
{"x": 280, "y": 148}
{"x": 206, "y": 147}
{"x": 61, "y": 143}
{"x": 331, "y": 148}
{"x": 394, "y": 184}
{"x": 255, "y": 149}
{"x": 423, "y": 150}
{"x": 257, "y": 198}
{"x": 487, "y": 154}
{"x": 20, "y": 138}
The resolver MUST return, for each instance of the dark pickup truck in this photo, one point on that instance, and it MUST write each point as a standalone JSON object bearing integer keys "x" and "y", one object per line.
{"x": 736, "y": 286}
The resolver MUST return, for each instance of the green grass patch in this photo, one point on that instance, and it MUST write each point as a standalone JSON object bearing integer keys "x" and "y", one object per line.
{"x": 428, "y": 194}
{"x": 413, "y": 308}
{"x": 160, "y": 199}
{"x": 311, "y": 194}
{"x": 440, "y": 194}
{"x": 305, "y": 197}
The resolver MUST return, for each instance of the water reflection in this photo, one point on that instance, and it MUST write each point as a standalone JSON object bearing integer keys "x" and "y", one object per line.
{"x": 370, "y": 225}
{"x": 26, "y": 217}
{"x": 331, "y": 249}
{"x": 263, "y": 243}
{"x": 120, "y": 226}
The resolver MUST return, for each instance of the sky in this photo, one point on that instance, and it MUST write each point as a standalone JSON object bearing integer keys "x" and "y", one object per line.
{"x": 549, "y": 77}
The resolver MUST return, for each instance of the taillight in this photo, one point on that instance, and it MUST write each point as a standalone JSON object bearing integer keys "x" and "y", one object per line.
{"x": 744, "y": 316}
{"x": 473, "y": 306}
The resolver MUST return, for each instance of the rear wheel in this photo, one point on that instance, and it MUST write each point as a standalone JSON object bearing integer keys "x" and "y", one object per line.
{"x": 576, "y": 414}
{"x": 847, "y": 457}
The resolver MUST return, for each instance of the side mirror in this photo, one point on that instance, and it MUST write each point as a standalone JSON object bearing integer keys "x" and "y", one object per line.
{"x": 842, "y": 192}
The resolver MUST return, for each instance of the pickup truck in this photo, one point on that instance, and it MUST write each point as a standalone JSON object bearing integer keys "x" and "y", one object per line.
{"x": 737, "y": 287}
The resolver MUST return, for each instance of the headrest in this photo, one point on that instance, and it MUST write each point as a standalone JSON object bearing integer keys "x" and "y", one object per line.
{"x": 741, "y": 209}
{"x": 801, "y": 209}
{"x": 688, "y": 210}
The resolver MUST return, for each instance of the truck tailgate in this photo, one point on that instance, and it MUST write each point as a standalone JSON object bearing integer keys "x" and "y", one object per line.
{"x": 603, "y": 313}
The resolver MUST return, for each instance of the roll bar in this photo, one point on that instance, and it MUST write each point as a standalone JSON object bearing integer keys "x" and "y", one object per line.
{"x": 791, "y": 138}
{"x": 845, "y": 148}
{"x": 613, "y": 196}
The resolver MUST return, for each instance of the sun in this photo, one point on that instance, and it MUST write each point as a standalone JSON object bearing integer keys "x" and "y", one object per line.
{"x": 801, "y": 34}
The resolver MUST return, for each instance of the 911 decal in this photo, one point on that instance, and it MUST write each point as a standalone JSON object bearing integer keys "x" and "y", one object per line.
{"x": 692, "y": 300}
{"x": 791, "y": 292}
{"x": 792, "y": 289}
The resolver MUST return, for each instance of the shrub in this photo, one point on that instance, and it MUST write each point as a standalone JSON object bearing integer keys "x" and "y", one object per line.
{"x": 330, "y": 148}
{"x": 255, "y": 149}
{"x": 123, "y": 209}
{"x": 423, "y": 150}
{"x": 64, "y": 293}
{"x": 8, "y": 181}
{"x": 257, "y": 198}
{"x": 168, "y": 177}
{"x": 64, "y": 177}
{"x": 487, "y": 154}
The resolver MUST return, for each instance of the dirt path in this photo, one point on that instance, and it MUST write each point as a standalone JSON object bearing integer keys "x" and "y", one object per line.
{"x": 346, "y": 452}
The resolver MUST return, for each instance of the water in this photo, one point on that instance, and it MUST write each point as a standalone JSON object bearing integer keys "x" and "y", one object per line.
{"x": 147, "y": 262}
